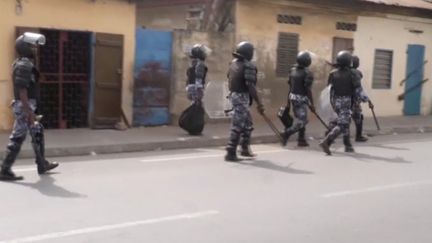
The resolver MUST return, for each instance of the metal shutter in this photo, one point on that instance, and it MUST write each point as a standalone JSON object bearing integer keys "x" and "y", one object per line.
{"x": 286, "y": 53}
{"x": 382, "y": 69}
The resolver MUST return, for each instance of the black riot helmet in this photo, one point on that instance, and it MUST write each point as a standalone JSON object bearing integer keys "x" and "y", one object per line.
{"x": 198, "y": 51}
{"x": 27, "y": 42}
{"x": 344, "y": 59}
{"x": 355, "y": 62}
{"x": 244, "y": 50}
{"x": 304, "y": 59}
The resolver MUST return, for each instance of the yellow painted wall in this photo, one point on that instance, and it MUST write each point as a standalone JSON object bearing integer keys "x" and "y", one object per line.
{"x": 107, "y": 16}
{"x": 163, "y": 18}
{"x": 392, "y": 34}
{"x": 256, "y": 21}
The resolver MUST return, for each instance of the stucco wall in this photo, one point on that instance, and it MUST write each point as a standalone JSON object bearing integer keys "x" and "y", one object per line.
{"x": 257, "y": 22}
{"x": 393, "y": 34}
{"x": 221, "y": 45}
{"x": 107, "y": 16}
{"x": 162, "y": 18}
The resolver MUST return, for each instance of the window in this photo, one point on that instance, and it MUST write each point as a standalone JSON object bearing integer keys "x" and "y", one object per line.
{"x": 342, "y": 44}
{"x": 382, "y": 72}
{"x": 346, "y": 26}
{"x": 286, "y": 53}
{"x": 289, "y": 19}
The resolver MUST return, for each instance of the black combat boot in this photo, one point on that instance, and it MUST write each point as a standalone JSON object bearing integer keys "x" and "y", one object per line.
{"x": 38, "y": 144}
{"x": 6, "y": 174}
{"x": 325, "y": 145}
{"x": 329, "y": 139}
{"x": 44, "y": 166}
{"x": 348, "y": 146}
{"x": 12, "y": 151}
{"x": 286, "y": 135}
{"x": 359, "y": 133}
{"x": 246, "y": 151}
{"x": 231, "y": 155}
{"x": 301, "y": 140}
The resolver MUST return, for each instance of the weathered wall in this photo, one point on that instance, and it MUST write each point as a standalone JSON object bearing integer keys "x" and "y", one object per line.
{"x": 162, "y": 18}
{"x": 392, "y": 33}
{"x": 256, "y": 21}
{"x": 169, "y": 17}
{"x": 217, "y": 62}
{"x": 185, "y": 35}
{"x": 108, "y": 16}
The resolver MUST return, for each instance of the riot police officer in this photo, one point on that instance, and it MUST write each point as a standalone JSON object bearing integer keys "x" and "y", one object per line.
{"x": 25, "y": 82}
{"x": 357, "y": 109}
{"x": 196, "y": 73}
{"x": 300, "y": 96}
{"x": 344, "y": 86}
{"x": 242, "y": 77}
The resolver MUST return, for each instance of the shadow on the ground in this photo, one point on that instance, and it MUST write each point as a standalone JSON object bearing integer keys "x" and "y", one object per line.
{"x": 365, "y": 157}
{"x": 388, "y": 147}
{"x": 46, "y": 186}
{"x": 265, "y": 164}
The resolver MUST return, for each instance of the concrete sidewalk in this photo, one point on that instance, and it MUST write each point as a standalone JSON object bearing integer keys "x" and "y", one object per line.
{"x": 86, "y": 141}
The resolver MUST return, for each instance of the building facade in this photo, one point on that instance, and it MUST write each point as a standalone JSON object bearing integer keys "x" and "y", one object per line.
{"x": 86, "y": 64}
{"x": 392, "y": 39}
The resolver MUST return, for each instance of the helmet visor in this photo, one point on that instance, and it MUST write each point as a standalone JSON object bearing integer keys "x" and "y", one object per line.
{"x": 34, "y": 38}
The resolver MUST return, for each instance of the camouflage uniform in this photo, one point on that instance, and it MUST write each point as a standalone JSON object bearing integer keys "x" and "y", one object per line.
{"x": 300, "y": 82}
{"x": 242, "y": 125}
{"x": 300, "y": 108}
{"x": 342, "y": 107}
{"x": 358, "y": 97}
{"x": 357, "y": 109}
{"x": 242, "y": 74}
{"x": 196, "y": 74}
{"x": 25, "y": 76}
{"x": 345, "y": 87}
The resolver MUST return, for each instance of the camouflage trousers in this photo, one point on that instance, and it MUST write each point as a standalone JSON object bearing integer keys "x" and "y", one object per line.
{"x": 241, "y": 124}
{"x": 19, "y": 133}
{"x": 300, "y": 110}
{"x": 357, "y": 113}
{"x": 342, "y": 107}
{"x": 195, "y": 93}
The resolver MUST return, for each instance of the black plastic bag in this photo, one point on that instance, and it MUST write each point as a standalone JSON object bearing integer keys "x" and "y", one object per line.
{"x": 192, "y": 119}
{"x": 285, "y": 117}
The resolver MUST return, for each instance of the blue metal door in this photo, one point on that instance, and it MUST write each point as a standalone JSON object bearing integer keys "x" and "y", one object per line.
{"x": 413, "y": 85}
{"x": 152, "y": 77}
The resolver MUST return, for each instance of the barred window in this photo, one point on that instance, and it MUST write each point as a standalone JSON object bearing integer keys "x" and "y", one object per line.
{"x": 346, "y": 26}
{"x": 289, "y": 19}
{"x": 286, "y": 53}
{"x": 382, "y": 73}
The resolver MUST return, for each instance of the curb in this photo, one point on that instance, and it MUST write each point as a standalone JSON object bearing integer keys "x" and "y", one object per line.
{"x": 200, "y": 142}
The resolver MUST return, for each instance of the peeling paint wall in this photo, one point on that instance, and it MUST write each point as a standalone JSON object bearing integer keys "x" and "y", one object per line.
{"x": 174, "y": 18}
{"x": 183, "y": 16}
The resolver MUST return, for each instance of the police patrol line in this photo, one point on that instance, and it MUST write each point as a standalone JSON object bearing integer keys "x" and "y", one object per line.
{"x": 346, "y": 94}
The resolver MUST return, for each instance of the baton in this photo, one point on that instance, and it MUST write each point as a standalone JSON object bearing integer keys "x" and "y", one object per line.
{"x": 319, "y": 118}
{"x": 273, "y": 127}
{"x": 375, "y": 119}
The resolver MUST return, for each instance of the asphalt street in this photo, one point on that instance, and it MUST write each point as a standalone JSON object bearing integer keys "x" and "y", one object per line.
{"x": 382, "y": 193}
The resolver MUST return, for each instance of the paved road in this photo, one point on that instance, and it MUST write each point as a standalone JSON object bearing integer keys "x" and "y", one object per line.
{"x": 383, "y": 193}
